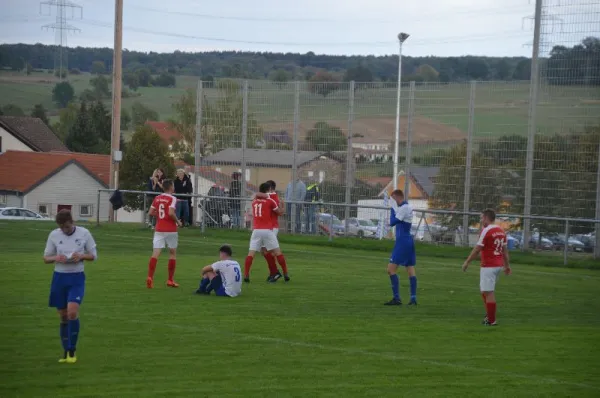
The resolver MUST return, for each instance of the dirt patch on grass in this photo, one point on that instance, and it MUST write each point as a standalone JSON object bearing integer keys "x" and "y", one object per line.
{"x": 380, "y": 130}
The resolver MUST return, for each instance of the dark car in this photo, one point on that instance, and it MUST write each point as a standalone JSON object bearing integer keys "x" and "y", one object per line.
{"x": 215, "y": 207}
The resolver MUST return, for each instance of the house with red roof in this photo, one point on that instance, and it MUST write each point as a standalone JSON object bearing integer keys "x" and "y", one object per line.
{"x": 166, "y": 132}
{"x": 29, "y": 134}
{"x": 46, "y": 182}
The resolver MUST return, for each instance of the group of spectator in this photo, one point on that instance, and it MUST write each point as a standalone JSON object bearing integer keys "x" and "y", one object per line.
{"x": 183, "y": 186}
{"x": 297, "y": 191}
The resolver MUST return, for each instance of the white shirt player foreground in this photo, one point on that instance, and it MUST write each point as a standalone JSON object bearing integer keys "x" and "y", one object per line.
{"x": 223, "y": 277}
{"x": 494, "y": 258}
{"x": 67, "y": 248}
{"x": 165, "y": 233}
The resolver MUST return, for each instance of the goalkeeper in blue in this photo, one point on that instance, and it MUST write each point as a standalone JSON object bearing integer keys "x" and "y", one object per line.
{"x": 67, "y": 248}
{"x": 404, "y": 249}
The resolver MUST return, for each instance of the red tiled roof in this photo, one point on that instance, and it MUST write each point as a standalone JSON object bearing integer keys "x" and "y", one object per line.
{"x": 22, "y": 171}
{"x": 165, "y": 131}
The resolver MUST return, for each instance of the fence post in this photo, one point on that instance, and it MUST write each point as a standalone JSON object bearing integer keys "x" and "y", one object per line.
{"x": 533, "y": 100}
{"x": 244, "y": 144}
{"x": 566, "y": 247}
{"x": 349, "y": 158}
{"x": 144, "y": 209}
{"x": 597, "y": 225}
{"x": 468, "y": 164}
{"x": 331, "y": 225}
{"x": 203, "y": 222}
{"x": 409, "y": 131}
{"x": 197, "y": 147}
{"x": 98, "y": 209}
{"x": 294, "y": 207}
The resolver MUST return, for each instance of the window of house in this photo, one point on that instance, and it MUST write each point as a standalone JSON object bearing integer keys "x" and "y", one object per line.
{"x": 310, "y": 174}
{"x": 43, "y": 209}
{"x": 85, "y": 210}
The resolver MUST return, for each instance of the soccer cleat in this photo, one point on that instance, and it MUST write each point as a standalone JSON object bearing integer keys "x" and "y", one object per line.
{"x": 413, "y": 302}
{"x": 64, "y": 358}
{"x": 198, "y": 291}
{"x": 275, "y": 278}
{"x": 484, "y": 321}
{"x": 488, "y": 323}
{"x": 286, "y": 278}
{"x": 172, "y": 283}
{"x": 71, "y": 358}
{"x": 393, "y": 302}
{"x": 247, "y": 279}
{"x": 149, "y": 283}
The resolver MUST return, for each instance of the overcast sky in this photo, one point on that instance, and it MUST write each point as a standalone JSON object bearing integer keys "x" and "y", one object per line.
{"x": 437, "y": 27}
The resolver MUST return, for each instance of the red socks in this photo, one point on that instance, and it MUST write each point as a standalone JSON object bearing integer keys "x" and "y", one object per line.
{"x": 271, "y": 263}
{"x": 171, "y": 267}
{"x": 281, "y": 261}
{"x": 152, "y": 267}
{"x": 247, "y": 266}
{"x": 491, "y": 312}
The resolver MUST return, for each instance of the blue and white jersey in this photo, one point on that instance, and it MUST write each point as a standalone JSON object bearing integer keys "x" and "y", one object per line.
{"x": 401, "y": 218}
{"x": 231, "y": 276}
{"x": 79, "y": 241}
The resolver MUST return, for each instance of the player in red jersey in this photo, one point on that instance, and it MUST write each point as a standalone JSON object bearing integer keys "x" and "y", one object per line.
{"x": 165, "y": 233}
{"x": 274, "y": 274}
{"x": 494, "y": 259}
{"x": 262, "y": 231}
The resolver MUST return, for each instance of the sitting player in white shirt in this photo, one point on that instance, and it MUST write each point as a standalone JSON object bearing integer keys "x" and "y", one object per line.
{"x": 224, "y": 276}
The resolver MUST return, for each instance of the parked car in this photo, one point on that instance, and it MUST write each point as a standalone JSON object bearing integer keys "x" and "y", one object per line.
{"x": 326, "y": 220}
{"x": 539, "y": 243}
{"x": 441, "y": 234}
{"x": 18, "y": 213}
{"x": 573, "y": 244}
{"x": 361, "y": 228}
{"x": 418, "y": 233}
{"x": 513, "y": 242}
{"x": 589, "y": 242}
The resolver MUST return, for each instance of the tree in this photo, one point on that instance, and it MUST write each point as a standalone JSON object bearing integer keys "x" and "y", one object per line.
{"x": 280, "y": 77}
{"x": 125, "y": 119}
{"x": 81, "y": 137}
{"x": 67, "y": 117}
{"x": 522, "y": 70}
{"x": 144, "y": 77}
{"x": 164, "y": 80}
{"x": 185, "y": 120}
{"x": 326, "y": 138}
{"x": 428, "y": 73}
{"x": 100, "y": 86}
{"x": 12, "y": 110}
{"x": 132, "y": 80}
{"x": 146, "y": 151}
{"x": 323, "y": 83}
{"x": 40, "y": 112}
{"x": 503, "y": 70}
{"x": 360, "y": 74}
{"x": 140, "y": 114}
{"x": 579, "y": 64}
{"x": 101, "y": 126}
{"x": 62, "y": 73}
{"x": 28, "y": 69}
{"x": 98, "y": 68}
{"x": 477, "y": 68}
{"x": 63, "y": 93}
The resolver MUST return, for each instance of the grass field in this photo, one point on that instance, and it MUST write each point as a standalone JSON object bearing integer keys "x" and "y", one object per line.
{"x": 500, "y": 107}
{"x": 325, "y": 334}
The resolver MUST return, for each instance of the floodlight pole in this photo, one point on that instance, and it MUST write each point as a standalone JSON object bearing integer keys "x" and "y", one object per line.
{"x": 401, "y": 39}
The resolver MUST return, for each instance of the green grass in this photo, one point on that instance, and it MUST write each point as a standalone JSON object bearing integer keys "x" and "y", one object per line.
{"x": 500, "y": 107}
{"x": 325, "y": 334}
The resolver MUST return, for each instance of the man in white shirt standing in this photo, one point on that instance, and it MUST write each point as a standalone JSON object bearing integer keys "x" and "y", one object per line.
{"x": 224, "y": 276}
{"x": 67, "y": 248}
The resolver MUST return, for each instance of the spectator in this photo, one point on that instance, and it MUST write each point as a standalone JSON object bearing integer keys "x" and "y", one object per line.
{"x": 235, "y": 191}
{"x": 183, "y": 185}
{"x": 313, "y": 197}
{"x": 295, "y": 192}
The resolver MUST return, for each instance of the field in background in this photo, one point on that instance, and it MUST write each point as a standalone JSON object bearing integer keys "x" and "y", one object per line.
{"x": 324, "y": 334}
{"x": 500, "y": 107}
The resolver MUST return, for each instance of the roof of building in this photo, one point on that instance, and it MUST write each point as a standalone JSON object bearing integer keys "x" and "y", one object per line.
{"x": 23, "y": 171}
{"x": 33, "y": 132}
{"x": 261, "y": 157}
{"x": 423, "y": 177}
{"x": 165, "y": 131}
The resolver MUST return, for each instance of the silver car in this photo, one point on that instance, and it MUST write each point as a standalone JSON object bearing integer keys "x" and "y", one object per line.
{"x": 18, "y": 213}
{"x": 361, "y": 228}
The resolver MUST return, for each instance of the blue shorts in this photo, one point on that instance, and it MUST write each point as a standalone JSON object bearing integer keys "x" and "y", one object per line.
{"x": 217, "y": 284}
{"x": 404, "y": 254}
{"x": 66, "y": 288}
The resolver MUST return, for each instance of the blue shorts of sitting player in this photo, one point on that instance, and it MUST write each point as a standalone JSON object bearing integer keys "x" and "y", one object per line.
{"x": 403, "y": 253}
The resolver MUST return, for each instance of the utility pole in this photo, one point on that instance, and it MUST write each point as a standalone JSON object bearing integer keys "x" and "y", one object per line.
{"x": 115, "y": 142}
{"x": 61, "y": 28}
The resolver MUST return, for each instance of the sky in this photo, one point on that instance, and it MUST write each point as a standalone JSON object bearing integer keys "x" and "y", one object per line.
{"x": 436, "y": 27}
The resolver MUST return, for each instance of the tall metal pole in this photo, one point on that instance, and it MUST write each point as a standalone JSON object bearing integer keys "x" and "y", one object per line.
{"x": 597, "y": 229}
{"x": 468, "y": 164}
{"x": 397, "y": 131}
{"x": 116, "y": 101}
{"x": 241, "y": 204}
{"x": 409, "y": 131}
{"x": 292, "y": 216}
{"x": 533, "y": 100}
{"x": 197, "y": 147}
{"x": 349, "y": 157}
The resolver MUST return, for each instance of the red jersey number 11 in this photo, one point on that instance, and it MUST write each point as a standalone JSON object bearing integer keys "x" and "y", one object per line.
{"x": 258, "y": 210}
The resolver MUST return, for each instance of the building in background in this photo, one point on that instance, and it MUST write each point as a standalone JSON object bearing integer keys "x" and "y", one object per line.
{"x": 29, "y": 134}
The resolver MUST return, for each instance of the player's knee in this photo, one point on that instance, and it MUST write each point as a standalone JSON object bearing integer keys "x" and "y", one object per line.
{"x": 391, "y": 269}
{"x": 72, "y": 314}
{"x": 62, "y": 314}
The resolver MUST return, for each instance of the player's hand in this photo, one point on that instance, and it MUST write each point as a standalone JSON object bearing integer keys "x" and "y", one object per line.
{"x": 465, "y": 266}
{"x": 76, "y": 257}
{"x": 61, "y": 258}
{"x": 507, "y": 270}
{"x": 179, "y": 223}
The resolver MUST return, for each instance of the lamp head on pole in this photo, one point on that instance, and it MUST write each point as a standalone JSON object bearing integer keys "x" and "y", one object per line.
{"x": 402, "y": 37}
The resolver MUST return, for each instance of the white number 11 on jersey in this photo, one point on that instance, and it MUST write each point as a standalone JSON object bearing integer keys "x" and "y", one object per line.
{"x": 258, "y": 210}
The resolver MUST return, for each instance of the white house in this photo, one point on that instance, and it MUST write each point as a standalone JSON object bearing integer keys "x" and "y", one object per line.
{"x": 46, "y": 182}
{"x": 28, "y": 134}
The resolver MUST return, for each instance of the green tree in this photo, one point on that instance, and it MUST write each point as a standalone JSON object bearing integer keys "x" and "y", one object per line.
{"x": 100, "y": 87}
{"x": 522, "y": 70}
{"x": 62, "y": 73}
{"x": 144, "y": 77}
{"x": 63, "y": 93}
{"x": 132, "y": 80}
{"x": 280, "y": 77}
{"x": 477, "y": 68}
{"x": 140, "y": 114}
{"x": 164, "y": 80}
{"x": 428, "y": 73}
{"x": 185, "y": 120}
{"x": 101, "y": 126}
{"x": 503, "y": 70}
{"x": 326, "y": 138}
{"x": 40, "y": 112}
{"x": 360, "y": 74}
{"x": 98, "y": 68}
{"x": 12, "y": 110}
{"x": 81, "y": 137}
{"x": 125, "y": 119}
{"x": 66, "y": 120}
{"x": 323, "y": 83}
{"x": 145, "y": 152}
{"x": 28, "y": 69}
